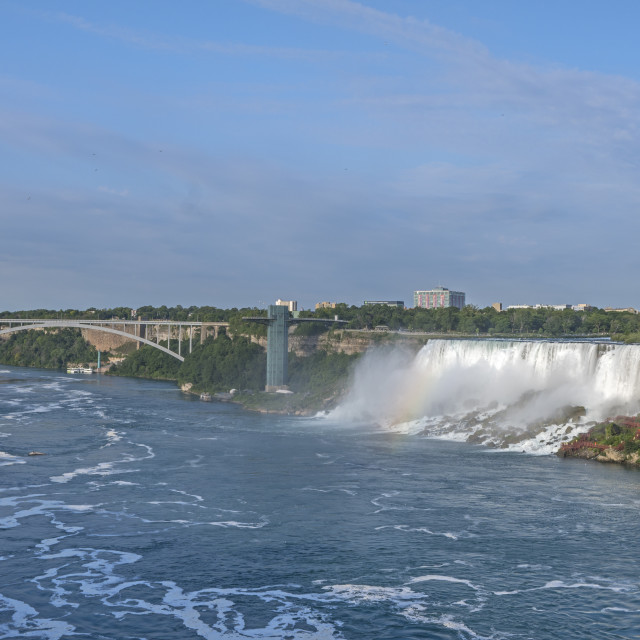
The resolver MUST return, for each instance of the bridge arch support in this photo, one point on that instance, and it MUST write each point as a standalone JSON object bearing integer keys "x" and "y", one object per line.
{"x": 52, "y": 324}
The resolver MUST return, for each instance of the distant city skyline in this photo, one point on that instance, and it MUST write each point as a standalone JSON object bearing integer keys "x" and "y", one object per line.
{"x": 238, "y": 152}
{"x": 294, "y": 305}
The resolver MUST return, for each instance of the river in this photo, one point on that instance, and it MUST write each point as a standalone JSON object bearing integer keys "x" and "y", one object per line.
{"x": 153, "y": 515}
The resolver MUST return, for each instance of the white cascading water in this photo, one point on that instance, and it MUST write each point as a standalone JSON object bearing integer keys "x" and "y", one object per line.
{"x": 528, "y": 396}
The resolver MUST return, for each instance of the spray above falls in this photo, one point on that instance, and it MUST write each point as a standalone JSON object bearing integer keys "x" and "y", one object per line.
{"x": 529, "y": 395}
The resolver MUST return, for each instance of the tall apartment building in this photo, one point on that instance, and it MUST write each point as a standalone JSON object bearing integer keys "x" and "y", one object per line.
{"x": 437, "y": 298}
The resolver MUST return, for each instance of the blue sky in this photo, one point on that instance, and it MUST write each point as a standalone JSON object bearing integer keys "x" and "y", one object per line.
{"x": 230, "y": 152}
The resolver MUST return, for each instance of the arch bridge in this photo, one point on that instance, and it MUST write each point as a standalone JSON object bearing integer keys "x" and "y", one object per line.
{"x": 137, "y": 330}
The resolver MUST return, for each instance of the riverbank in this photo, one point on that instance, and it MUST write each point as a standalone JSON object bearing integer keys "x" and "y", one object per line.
{"x": 279, "y": 403}
{"x": 617, "y": 440}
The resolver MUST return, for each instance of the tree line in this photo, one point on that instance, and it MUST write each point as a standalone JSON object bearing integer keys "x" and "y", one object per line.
{"x": 470, "y": 320}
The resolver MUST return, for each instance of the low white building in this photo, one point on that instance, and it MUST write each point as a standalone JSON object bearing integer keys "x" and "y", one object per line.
{"x": 292, "y": 305}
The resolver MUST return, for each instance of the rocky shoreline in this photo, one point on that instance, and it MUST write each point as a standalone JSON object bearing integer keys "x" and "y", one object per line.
{"x": 616, "y": 440}
{"x": 271, "y": 403}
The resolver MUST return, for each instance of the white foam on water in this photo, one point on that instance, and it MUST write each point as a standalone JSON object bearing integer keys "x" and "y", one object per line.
{"x": 358, "y": 593}
{"x": 195, "y": 462}
{"x": 54, "y": 384}
{"x": 26, "y": 622}
{"x": 408, "y": 603}
{"x": 93, "y": 573}
{"x": 337, "y": 489}
{"x": 560, "y": 584}
{"x": 442, "y": 578}
{"x": 11, "y": 402}
{"x": 592, "y": 582}
{"x": 409, "y": 529}
{"x": 39, "y": 507}
{"x": 6, "y": 459}
{"x": 240, "y": 525}
{"x": 190, "y": 504}
{"x": 195, "y": 496}
{"x": 41, "y": 408}
{"x": 418, "y": 613}
{"x": 101, "y": 469}
{"x": 106, "y": 468}
{"x": 113, "y": 437}
{"x": 263, "y": 521}
{"x": 114, "y": 483}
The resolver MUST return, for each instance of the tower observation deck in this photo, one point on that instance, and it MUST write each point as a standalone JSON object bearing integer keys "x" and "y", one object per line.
{"x": 277, "y": 322}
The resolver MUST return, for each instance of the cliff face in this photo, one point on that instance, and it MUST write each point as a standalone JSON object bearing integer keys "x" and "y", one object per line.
{"x": 103, "y": 341}
{"x": 306, "y": 345}
{"x": 342, "y": 341}
{"x": 350, "y": 342}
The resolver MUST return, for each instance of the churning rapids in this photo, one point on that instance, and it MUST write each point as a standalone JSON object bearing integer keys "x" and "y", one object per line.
{"x": 523, "y": 395}
{"x": 153, "y": 516}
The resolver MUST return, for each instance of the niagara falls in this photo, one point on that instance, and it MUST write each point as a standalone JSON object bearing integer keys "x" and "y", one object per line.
{"x": 523, "y": 395}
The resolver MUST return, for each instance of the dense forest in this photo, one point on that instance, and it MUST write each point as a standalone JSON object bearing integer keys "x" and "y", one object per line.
{"x": 216, "y": 365}
{"x": 225, "y": 363}
{"x": 49, "y": 349}
{"x": 148, "y": 362}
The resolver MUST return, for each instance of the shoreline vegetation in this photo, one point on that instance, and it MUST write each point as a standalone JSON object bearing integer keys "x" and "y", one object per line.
{"x": 614, "y": 440}
{"x": 321, "y": 358}
{"x": 317, "y": 381}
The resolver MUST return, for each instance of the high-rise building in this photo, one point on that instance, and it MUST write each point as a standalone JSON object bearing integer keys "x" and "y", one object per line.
{"x": 438, "y": 298}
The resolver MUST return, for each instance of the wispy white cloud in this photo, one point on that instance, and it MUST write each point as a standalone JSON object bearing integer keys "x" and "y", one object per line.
{"x": 123, "y": 193}
{"x": 454, "y": 157}
{"x": 406, "y": 32}
{"x": 472, "y": 78}
{"x": 177, "y": 44}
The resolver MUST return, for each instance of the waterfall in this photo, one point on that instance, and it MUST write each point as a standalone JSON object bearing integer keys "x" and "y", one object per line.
{"x": 528, "y": 395}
